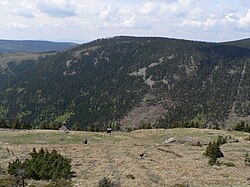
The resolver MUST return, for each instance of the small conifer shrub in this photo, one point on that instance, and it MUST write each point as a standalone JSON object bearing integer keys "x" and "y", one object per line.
{"x": 106, "y": 182}
{"x": 43, "y": 165}
{"x": 213, "y": 152}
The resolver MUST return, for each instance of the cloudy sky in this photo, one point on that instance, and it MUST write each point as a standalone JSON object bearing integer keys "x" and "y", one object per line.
{"x": 85, "y": 20}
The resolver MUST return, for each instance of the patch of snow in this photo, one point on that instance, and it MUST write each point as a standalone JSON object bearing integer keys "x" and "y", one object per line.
{"x": 232, "y": 72}
{"x": 73, "y": 73}
{"x": 165, "y": 81}
{"x": 170, "y": 57}
{"x": 107, "y": 59}
{"x": 191, "y": 68}
{"x": 150, "y": 82}
{"x": 65, "y": 73}
{"x": 176, "y": 77}
{"x": 141, "y": 72}
{"x": 161, "y": 59}
{"x": 101, "y": 53}
{"x": 86, "y": 54}
{"x": 96, "y": 61}
{"x": 192, "y": 61}
{"x": 153, "y": 65}
{"x": 68, "y": 63}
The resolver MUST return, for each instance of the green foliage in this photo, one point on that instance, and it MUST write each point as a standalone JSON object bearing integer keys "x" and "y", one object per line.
{"x": 52, "y": 126}
{"x": 200, "y": 119}
{"x": 43, "y": 165}
{"x": 187, "y": 124}
{"x": 14, "y": 124}
{"x": 106, "y": 182}
{"x": 145, "y": 126}
{"x": 17, "y": 170}
{"x": 242, "y": 126}
{"x": 221, "y": 140}
{"x": 213, "y": 151}
{"x": 15, "y": 166}
{"x": 76, "y": 127}
{"x": 64, "y": 118}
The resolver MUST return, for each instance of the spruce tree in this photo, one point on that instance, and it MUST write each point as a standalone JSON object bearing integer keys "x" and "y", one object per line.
{"x": 213, "y": 152}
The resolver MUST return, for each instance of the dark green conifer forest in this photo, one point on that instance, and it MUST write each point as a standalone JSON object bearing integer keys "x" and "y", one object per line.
{"x": 102, "y": 81}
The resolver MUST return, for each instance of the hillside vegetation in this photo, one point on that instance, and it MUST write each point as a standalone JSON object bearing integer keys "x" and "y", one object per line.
{"x": 118, "y": 156}
{"x": 244, "y": 43}
{"x": 131, "y": 81}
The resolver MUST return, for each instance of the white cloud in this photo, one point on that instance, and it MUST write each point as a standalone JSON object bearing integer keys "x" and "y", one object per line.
{"x": 58, "y": 8}
{"x": 130, "y": 22}
{"x": 244, "y": 21}
{"x": 105, "y": 13}
{"x": 90, "y": 19}
{"x": 167, "y": 7}
{"x": 17, "y": 26}
{"x": 192, "y": 23}
{"x": 149, "y": 8}
{"x": 23, "y": 8}
{"x": 108, "y": 13}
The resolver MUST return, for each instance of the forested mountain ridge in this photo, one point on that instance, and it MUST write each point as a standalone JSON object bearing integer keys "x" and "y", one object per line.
{"x": 132, "y": 81}
{"x": 244, "y": 43}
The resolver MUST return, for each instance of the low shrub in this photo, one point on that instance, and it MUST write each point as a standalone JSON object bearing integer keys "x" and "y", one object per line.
{"x": 247, "y": 159}
{"x": 130, "y": 176}
{"x": 43, "y": 165}
{"x": 213, "y": 151}
{"x": 229, "y": 164}
{"x": 221, "y": 140}
{"x": 106, "y": 182}
{"x": 247, "y": 138}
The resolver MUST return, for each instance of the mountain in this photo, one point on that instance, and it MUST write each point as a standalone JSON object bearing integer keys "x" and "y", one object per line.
{"x": 30, "y": 46}
{"x": 133, "y": 81}
{"x": 244, "y": 43}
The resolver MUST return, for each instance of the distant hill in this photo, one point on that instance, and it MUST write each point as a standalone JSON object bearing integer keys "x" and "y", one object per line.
{"x": 130, "y": 80}
{"x": 244, "y": 43}
{"x": 32, "y": 46}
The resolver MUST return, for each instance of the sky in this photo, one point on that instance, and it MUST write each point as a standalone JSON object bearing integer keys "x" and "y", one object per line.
{"x": 85, "y": 20}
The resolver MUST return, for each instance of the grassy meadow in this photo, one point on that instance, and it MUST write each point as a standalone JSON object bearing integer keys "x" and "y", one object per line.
{"x": 117, "y": 156}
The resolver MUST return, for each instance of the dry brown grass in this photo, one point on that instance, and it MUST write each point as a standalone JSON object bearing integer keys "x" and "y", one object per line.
{"x": 117, "y": 156}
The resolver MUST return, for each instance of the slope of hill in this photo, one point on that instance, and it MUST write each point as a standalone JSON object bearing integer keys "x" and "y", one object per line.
{"x": 244, "y": 43}
{"x": 117, "y": 156}
{"x": 161, "y": 80}
{"x": 30, "y": 46}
